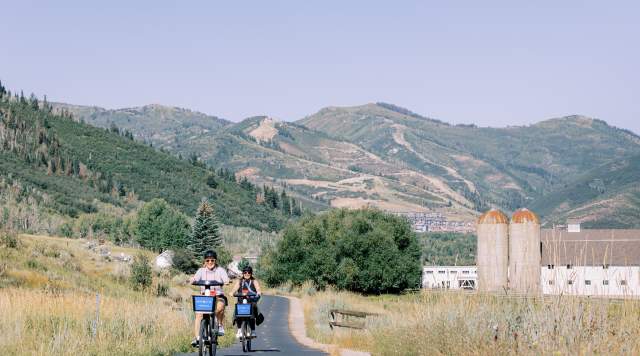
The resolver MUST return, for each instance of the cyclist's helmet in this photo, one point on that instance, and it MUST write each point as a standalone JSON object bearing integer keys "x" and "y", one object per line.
{"x": 247, "y": 269}
{"x": 210, "y": 254}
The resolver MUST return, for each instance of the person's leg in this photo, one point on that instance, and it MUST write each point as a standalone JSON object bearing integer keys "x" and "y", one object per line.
{"x": 196, "y": 328}
{"x": 220, "y": 311}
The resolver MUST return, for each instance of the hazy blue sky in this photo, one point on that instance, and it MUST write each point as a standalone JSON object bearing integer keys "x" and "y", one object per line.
{"x": 484, "y": 62}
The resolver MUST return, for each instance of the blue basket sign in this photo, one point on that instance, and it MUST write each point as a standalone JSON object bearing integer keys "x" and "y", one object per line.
{"x": 243, "y": 309}
{"x": 203, "y": 303}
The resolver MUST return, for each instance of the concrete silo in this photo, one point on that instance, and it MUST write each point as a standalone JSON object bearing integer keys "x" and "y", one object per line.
{"x": 524, "y": 253}
{"x": 493, "y": 249}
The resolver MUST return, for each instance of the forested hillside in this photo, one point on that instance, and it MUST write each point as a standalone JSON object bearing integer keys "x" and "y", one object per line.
{"x": 56, "y": 167}
{"x": 386, "y": 156}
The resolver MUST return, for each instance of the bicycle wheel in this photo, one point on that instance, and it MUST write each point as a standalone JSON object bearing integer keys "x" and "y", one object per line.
{"x": 245, "y": 336}
{"x": 204, "y": 326}
{"x": 213, "y": 332}
{"x": 247, "y": 331}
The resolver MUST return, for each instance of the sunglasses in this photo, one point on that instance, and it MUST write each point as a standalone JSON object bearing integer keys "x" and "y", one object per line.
{"x": 210, "y": 260}
{"x": 246, "y": 272}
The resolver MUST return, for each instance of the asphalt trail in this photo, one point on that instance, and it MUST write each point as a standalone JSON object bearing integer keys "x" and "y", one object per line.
{"x": 274, "y": 337}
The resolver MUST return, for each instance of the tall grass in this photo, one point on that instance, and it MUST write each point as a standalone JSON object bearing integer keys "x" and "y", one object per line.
{"x": 459, "y": 323}
{"x": 48, "y": 290}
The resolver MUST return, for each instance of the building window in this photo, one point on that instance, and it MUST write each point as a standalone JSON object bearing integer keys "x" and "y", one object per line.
{"x": 587, "y": 282}
{"x": 441, "y": 272}
{"x": 550, "y": 282}
{"x": 605, "y": 282}
{"x": 550, "y": 266}
{"x": 605, "y": 266}
{"x": 569, "y": 282}
{"x": 429, "y": 272}
{"x": 623, "y": 282}
{"x": 569, "y": 266}
{"x": 454, "y": 272}
{"x": 465, "y": 272}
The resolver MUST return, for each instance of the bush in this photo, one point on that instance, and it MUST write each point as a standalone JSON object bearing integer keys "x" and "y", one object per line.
{"x": 141, "y": 272}
{"x": 66, "y": 229}
{"x": 365, "y": 251}
{"x": 8, "y": 239}
{"x": 160, "y": 227}
{"x": 184, "y": 261}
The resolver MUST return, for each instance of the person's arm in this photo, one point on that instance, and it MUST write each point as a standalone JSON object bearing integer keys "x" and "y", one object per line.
{"x": 236, "y": 285}
{"x": 197, "y": 276}
{"x": 257, "y": 285}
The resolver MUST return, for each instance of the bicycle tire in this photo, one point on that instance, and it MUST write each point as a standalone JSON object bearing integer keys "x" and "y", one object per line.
{"x": 244, "y": 338}
{"x": 203, "y": 336}
{"x": 248, "y": 332}
{"x": 213, "y": 331}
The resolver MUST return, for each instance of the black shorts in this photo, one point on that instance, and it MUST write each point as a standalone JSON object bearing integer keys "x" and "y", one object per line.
{"x": 224, "y": 297}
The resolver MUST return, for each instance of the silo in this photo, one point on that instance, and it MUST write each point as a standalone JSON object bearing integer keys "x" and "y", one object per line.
{"x": 524, "y": 253}
{"x": 493, "y": 249}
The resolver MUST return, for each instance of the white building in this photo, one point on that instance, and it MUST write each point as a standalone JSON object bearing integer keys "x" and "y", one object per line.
{"x": 595, "y": 262}
{"x": 449, "y": 277}
{"x": 574, "y": 262}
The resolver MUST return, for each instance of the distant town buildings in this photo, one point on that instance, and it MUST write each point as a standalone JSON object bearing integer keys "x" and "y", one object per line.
{"x": 432, "y": 222}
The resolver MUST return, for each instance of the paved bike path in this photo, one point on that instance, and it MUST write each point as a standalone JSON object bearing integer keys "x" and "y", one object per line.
{"x": 274, "y": 337}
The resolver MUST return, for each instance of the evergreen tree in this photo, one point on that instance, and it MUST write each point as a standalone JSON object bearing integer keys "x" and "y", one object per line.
{"x": 286, "y": 204}
{"x": 204, "y": 235}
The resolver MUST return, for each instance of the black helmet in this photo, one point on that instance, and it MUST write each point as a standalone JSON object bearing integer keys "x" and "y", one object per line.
{"x": 210, "y": 254}
{"x": 247, "y": 269}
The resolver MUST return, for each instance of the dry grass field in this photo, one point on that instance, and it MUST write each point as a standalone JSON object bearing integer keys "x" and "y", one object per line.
{"x": 460, "y": 323}
{"x": 48, "y": 290}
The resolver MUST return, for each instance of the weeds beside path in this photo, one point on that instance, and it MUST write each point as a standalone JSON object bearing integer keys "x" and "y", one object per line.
{"x": 459, "y": 323}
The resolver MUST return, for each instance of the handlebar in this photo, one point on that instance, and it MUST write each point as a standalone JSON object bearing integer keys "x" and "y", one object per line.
{"x": 206, "y": 283}
{"x": 240, "y": 295}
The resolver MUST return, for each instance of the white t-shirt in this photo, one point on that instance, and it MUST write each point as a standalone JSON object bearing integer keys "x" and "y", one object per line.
{"x": 218, "y": 274}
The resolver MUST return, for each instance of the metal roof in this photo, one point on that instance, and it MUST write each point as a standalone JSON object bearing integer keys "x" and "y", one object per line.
{"x": 619, "y": 247}
{"x": 493, "y": 216}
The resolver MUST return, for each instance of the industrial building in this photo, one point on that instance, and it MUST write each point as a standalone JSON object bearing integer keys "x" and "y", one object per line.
{"x": 449, "y": 277}
{"x": 518, "y": 257}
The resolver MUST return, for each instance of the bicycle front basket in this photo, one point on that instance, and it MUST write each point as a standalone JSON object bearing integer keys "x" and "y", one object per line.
{"x": 243, "y": 309}
{"x": 203, "y": 303}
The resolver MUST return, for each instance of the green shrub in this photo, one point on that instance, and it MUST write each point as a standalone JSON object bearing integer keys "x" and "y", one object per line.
{"x": 141, "y": 272}
{"x": 184, "y": 261}
{"x": 66, "y": 229}
{"x": 160, "y": 227}
{"x": 365, "y": 251}
{"x": 8, "y": 239}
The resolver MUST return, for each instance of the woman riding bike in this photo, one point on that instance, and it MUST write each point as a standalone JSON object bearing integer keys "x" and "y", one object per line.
{"x": 248, "y": 285}
{"x": 210, "y": 271}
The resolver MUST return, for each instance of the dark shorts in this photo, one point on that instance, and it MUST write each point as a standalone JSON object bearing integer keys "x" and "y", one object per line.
{"x": 224, "y": 297}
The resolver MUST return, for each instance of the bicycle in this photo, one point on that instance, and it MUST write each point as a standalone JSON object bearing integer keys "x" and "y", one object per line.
{"x": 244, "y": 314}
{"x": 206, "y": 304}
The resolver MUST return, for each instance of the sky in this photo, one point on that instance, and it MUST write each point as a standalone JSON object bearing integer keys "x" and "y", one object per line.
{"x": 492, "y": 63}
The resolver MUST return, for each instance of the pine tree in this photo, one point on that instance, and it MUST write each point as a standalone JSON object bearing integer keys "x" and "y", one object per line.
{"x": 204, "y": 235}
{"x": 286, "y": 204}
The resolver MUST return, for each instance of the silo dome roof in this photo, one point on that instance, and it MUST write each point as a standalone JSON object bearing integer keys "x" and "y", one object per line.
{"x": 493, "y": 216}
{"x": 524, "y": 215}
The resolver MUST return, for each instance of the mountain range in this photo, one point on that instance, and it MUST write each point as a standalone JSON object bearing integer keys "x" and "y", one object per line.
{"x": 386, "y": 156}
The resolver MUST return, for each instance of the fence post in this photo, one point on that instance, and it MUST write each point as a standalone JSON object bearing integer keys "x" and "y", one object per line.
{"x": 95, "y": 322}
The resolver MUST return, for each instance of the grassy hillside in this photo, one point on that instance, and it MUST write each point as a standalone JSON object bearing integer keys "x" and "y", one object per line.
{"x": 163, "y": 126}
{"x": 607, "y": 196}
{"x": 389, "y": 157}
{"x": 508, "y": 167}
{"x": 48, "y": 290}
{"x": 70, "y": 168}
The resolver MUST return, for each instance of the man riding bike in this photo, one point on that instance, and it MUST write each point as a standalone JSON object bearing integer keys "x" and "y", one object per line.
{"x": 248, "y": 285}
{"x": 211, "y": 271}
